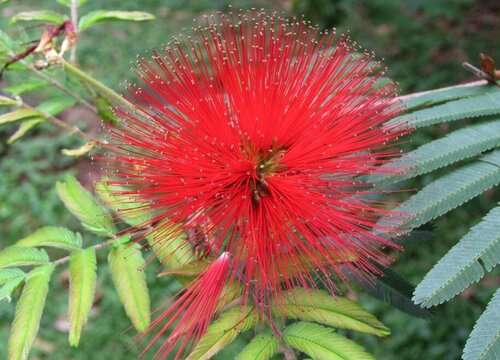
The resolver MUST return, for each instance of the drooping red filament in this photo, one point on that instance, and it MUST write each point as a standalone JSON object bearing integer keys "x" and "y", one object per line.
{"x": 254, "y": 134}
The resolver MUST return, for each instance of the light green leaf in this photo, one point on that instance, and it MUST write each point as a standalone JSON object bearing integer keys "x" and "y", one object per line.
{"x": 8, "y": 274}
{"x": 172, "y": 250}
{"x": 82, "y": 150}
{"x": 53, "y": 236}
{"x": 83, "y": 205}
{"x": 448, "y": 192}
{"x": 82, "y": 279}
{"x": 222, "y": 332}
{"x": 27, "y": 86}
{"x": 18, "y": 115}
{"x": 133, "y": 211}
{"x": 322, "y": 343}
{"x": 24, "y": 128}
{"x": 99, "y": 16}
{"x": 481, "y": 105}
{"x": 322, "y": 307}
{"x": 9, "y": 287}
{"x": 6, "y": 101}
{"x": 262, "y": 347}
{"x": 461, "y": 266}
{"x": 458, "y": 145}
{"x": 126, "y": 265}
{"x": 68, "y": 2}
{"x": 28, "y": 312}
{"x": 20, "y": 256}
{"x": 40, "y": 16}
{"x": 55, "y": 105}
{"x": 484, "y": 340}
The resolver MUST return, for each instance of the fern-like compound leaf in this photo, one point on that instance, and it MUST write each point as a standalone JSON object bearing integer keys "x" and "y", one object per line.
{"x": 21, "y": 256}
{"x": 461, "y": 266}
{"x": 52, "y": 236}
{"x": 322, "y": 343}
{"x": 261, "y": 347}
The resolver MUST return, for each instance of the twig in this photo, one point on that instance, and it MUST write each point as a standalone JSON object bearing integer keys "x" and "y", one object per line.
{"x": 474, "y": 83}
{"x": 74, "y": 20}
{"x": 96, "y": 247}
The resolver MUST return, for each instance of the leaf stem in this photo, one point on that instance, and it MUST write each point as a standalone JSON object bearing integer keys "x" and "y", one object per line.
{"x": 96, "y": 247}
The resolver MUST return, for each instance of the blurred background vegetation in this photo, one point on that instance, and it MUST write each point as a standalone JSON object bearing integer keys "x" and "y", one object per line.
{"x": 423, "y": 44}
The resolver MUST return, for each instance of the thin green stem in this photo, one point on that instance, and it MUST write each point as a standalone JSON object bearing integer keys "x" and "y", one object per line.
{"x": 111, "y": 94}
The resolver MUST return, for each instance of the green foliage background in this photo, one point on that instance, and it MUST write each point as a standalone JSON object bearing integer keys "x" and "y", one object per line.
{"x": 423, "y": 43}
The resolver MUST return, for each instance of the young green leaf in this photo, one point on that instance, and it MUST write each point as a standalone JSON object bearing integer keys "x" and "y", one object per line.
{"x": 20, "y": 256}
{"x": 82, "y": 279}
{"x": 68, "y": 2}
{"x": 9, "y": 287}
{"x": 6, "y": 101}
{"x": 100, "y": 16}
{"x": 9, "y": 274}
{"x": 82, "y": 150}
{"x": 322, "y": 307}
{"x": 322, "y": 343}
{"x": 40, "y": 16}
{"x": 18, "y": 115}
{"x": 126, "y": 263}
{"x": 28, "y": 312}
{"x": 461, "y": 266}
{"x": 52, "y": 236}
{"x": 448, "y": 192}
{"x": 261, "y": 347}
{"x": 129, "y": 209}
{"x": 24, "y": 128}
{"x": 222, "y": 332}
{"x": 56, "y": 104}
{"x": 27, "y": 86}
{"x": 484, "y": 340}
{"x": 83, "y": 205}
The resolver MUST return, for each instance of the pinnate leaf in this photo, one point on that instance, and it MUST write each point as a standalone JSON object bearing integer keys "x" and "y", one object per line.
{"x": 320, "y": 306}
{"x": 322, "y": 343}
{"x": 82, "y": 204}
{"x": 45, "y": 16}
{"x": 52, "y": 236}
{"x": 21, "y": 256}
{"x": 126, "y": 265}
{"x": 222, "y": 332}
{"x": 261, "y": 347}
{"x": 29, "y": 312}
{"x": 9, "y": 274}
{"x": 82, "y": 279}
{"x": 484, "y": 340}
{"x": 100, "y": 16}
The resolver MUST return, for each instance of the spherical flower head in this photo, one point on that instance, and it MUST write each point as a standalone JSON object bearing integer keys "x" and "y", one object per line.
{"x": 253, "y": 136}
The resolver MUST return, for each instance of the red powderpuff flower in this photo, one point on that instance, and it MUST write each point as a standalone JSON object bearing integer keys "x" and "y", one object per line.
{"x": 253, "y": 136}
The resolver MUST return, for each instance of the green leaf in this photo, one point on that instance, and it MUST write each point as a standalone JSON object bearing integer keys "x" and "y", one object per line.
{"x": 484, "y": 340}
{"x": 55, "y": 105}
{"x": 29, "y": 312}
{"x": 172, "y": 251}
{"x": 20, "y": 256}
{"x": 222, "y": 332}
{"x": 99, "y": 16}
{"x": 68, "y": 2}
{"x": 126, "y": 265}
{"x": 82, "y": 204}
{"x": 52, "y": 236}
{"x": 461, "y": 266}
{"x": 448, "y": 192}
{"x": 105, "y": 110}
{"x": 8, "y": 274}
{"x": 82, "y": 280}
{"x": 481, "y": 105}
{"x": 8, "y": 289}
{"x": 18, "y": 115}
{"x": 322, "y": 343}
{"x": 320, "y": 306}
{"x": 27, "y": 86}
{"x": 40, "y": 16}
{"x": 131, "y": 210}
{"x": 82, "y": 150}
{"x": 262, "y": 347}
{"x": 443, "y": 95}
{"x": 6, "y": 101}
{"x": 24, "y": 128}
{"x": 458, "y": 145}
